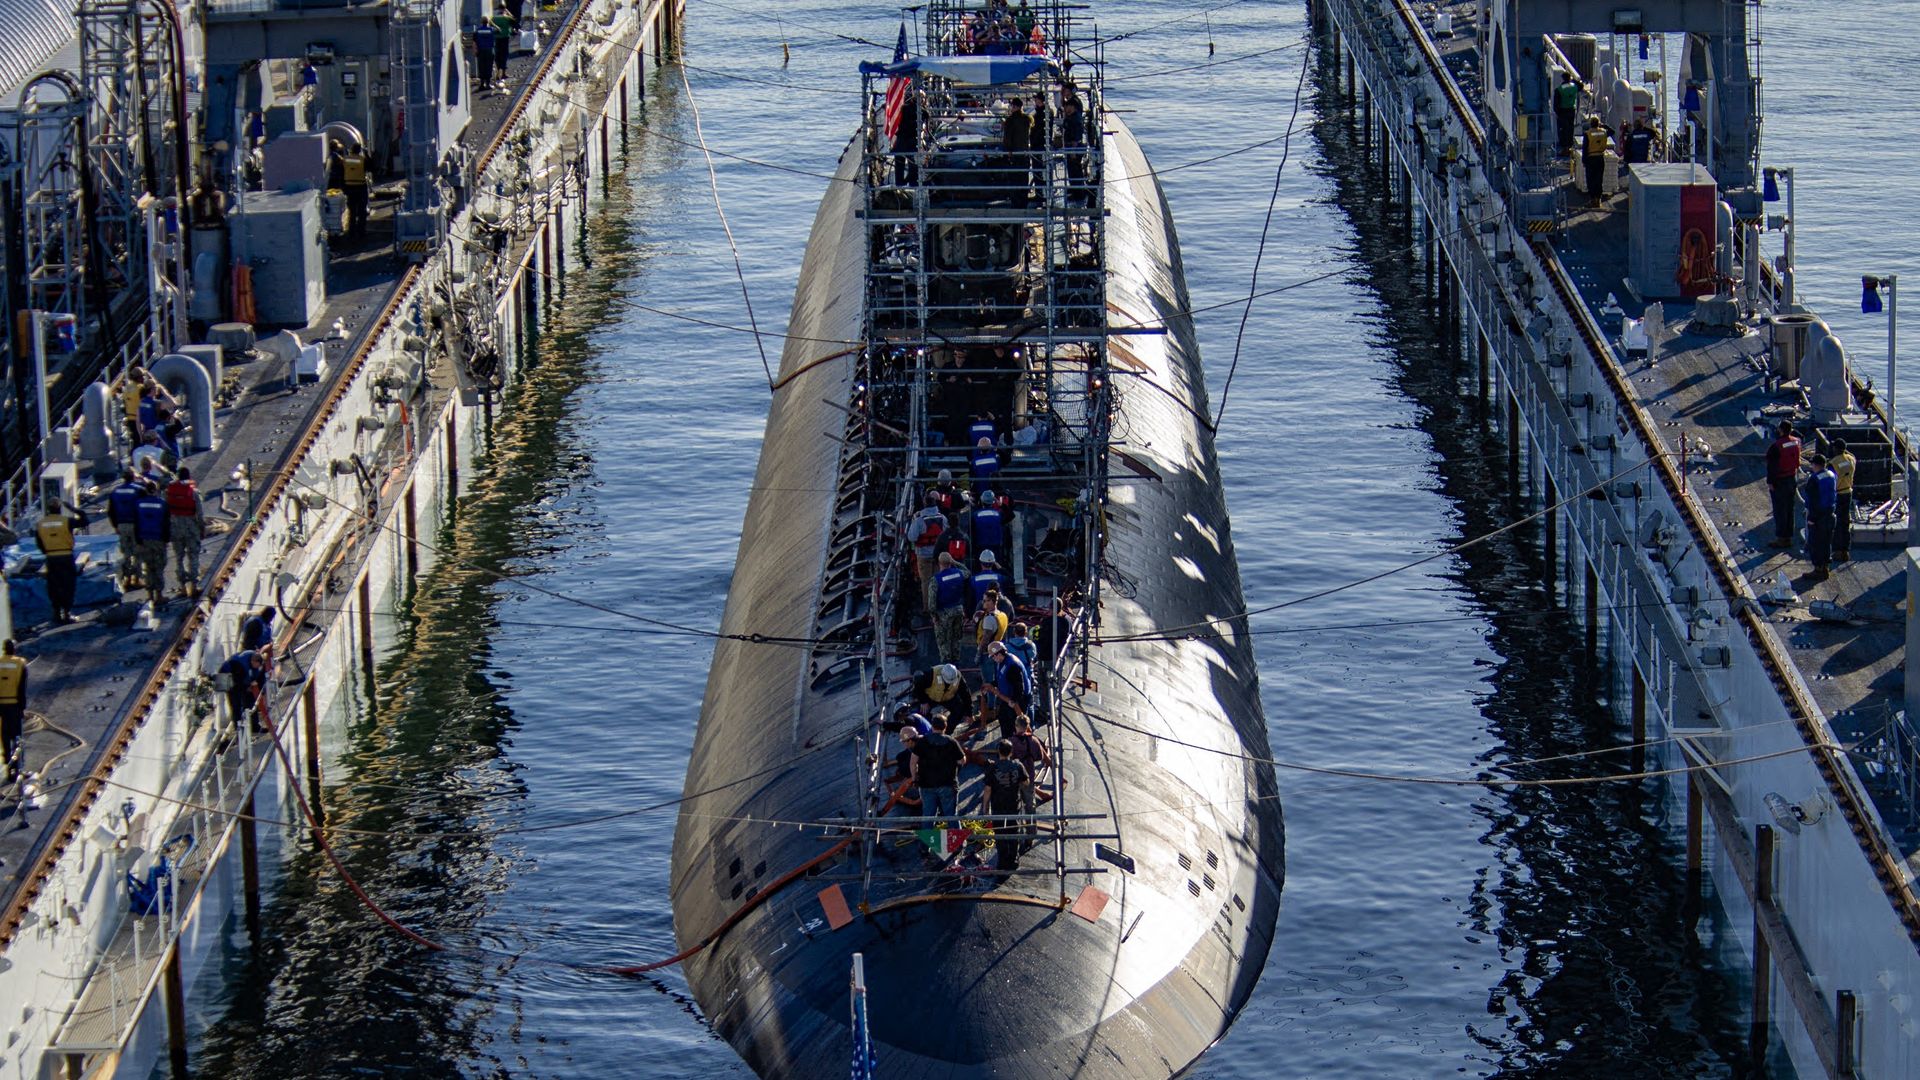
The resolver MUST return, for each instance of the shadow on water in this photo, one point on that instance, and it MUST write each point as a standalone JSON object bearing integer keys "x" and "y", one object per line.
{"x": 1584, "y": 895}
{"x": 328, "y": 992}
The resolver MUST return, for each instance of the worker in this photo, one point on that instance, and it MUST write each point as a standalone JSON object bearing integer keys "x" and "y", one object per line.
{"x": 1073, "y": 138}
{"x": 1008, "y": 789}
{"x": 1843, "y": 464}
{"x": 989, "y": 523}
{"x": 985, "y": 460}
{"x": 54, "y": 533}
{"x": 1783, "y": 468}
{"x": 936, "y": 772}
{"x": 257, "y": 631}
{"x": 152, "y": 528}
{"x": 132, "y": 389}
{"x": 923, "y": 532}
{"x": 988, "y": 577}
{"x": 1031, "y": 752}
{"x": 907, "y": 801}
{"x": 989, "y": 627}
{"x": 949, "y": 606}
{"x": 1016, "y": 132}
{"x": 942, "y": 687}
{"x": 186, "y": 524}
{"x": 1820, "y": 504}
{"x": 246, "y": 673}
{"x": 483, "y": 54}
{"x": 503, "y": 27}
{"x": 355, "y": 182}
{"x": 1012, "y": 687}
{"x": 982, "y": 427}
{"x": 1020, "y": 643}
{"x": 1566, "y": 109}
{"x": 953, "y": 500}
{"x": 120, "y": 503}
{"x": 149, "y": 461}
{"x": 13, "y": 705}
{"x": 1594, "y": 157}
{"x": 1639, "y": 148}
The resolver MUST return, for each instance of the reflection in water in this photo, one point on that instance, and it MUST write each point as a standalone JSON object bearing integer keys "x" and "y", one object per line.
{"x": 330, "y": 991}
{"x": 1582, "y": 894}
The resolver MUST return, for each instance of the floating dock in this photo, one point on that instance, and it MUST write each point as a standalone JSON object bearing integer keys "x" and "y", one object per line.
{"x": 336, "y": 423}
{"x": 1636, "y": 347}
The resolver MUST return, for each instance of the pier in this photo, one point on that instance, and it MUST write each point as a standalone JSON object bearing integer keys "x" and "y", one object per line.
{"x": 1766, "y": 698}
{"x": 333, "y": 455}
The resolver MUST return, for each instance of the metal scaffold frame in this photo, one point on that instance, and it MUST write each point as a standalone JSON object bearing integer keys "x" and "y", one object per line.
{"x": 975, "y": 248}
{"x": 131, "y": 63}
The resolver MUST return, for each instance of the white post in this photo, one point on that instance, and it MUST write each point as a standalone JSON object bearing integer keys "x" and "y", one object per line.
{"x": 1786, "y": 278}
{"x": 1893, "y": 309}
{"x": 40, "y": 371}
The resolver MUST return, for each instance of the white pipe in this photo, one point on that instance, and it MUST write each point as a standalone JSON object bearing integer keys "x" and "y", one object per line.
{"x": 40, "y": 371}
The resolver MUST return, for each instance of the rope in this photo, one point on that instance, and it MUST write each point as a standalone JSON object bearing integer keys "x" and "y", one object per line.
{"x": 1273, "y": 200}
{"x": 713, "y": 181}
{"x": 1449, "y": 781}
{"x": 1170, "y": 632}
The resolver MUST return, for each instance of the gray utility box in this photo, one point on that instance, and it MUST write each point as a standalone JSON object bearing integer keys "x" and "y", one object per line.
{"x": 1670, "y": 217}
{"x": 279, "y": 235}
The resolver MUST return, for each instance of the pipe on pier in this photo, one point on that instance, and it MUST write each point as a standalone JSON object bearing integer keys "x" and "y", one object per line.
{"x": 188, "y": 378}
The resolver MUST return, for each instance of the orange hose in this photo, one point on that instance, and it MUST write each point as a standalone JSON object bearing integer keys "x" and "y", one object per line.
{"x": 730, "y": 921}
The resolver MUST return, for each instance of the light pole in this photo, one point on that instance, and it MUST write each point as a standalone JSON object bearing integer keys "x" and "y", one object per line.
{"x": 1870, "y": 303}
{"x": 1770, "y": 192}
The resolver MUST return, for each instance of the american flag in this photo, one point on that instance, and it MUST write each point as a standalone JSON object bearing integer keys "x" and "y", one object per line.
{"x": 897, "y": 88}
{"x": 864, "y": 1061}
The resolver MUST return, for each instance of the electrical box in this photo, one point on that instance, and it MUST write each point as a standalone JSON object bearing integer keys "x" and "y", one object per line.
{"x": 278, "y": 234}
{"x": 295, "y": 160}
{"x": 1671, "y": 230}
{"x": 60, "y": 480}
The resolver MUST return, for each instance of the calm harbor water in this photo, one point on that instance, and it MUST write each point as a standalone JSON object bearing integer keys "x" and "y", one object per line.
{"x": 1424, "y": 931}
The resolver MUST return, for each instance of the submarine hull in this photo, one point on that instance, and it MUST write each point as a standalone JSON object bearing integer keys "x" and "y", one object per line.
{"x": 1164, "y": 743}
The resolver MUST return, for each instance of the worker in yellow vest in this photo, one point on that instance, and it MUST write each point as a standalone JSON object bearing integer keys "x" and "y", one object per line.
{"x": 1594, "y": 146}
{"x": 1843, "y": 464}
{"x": 354, "y": 181}
{"x": 54, "y": 533}
{"x": 13, "y": 704}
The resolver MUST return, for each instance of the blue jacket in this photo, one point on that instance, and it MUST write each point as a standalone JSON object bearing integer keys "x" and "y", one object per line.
{"x": 989, "y": 529}
{"x": 1024, "y": 648}
{"x": 245, "y": 675}
{"x": 122, "y": 500}
{"x": 987, "y": 579}
{"x": 151, "y": 522}
{"x": 985, "y": 464}
{"x": 255, "y": 632}
{"x": 1012, "y": 679}
{"x": 950, "y": 589}
{"x": 1821, "y": 490}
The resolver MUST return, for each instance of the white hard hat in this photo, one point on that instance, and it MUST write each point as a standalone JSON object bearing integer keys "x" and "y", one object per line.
{"x": 947, "y": 673}
{"x": 987, "y": 559}
{"x": 946, "y": 475}
{"x": 986, "y": 495}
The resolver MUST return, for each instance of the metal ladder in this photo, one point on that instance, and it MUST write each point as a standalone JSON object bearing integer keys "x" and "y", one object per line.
{"x": 420, "y": 224}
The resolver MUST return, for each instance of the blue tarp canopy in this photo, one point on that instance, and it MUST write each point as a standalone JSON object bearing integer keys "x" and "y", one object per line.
{"x": 966, "y": 70}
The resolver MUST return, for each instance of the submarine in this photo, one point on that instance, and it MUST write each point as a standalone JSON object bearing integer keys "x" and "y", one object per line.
{"x": 991, "y": 326}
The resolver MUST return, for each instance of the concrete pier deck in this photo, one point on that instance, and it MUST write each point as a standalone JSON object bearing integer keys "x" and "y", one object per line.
{"x": 85, "y": 676}
{"x": 1712, "y": 388}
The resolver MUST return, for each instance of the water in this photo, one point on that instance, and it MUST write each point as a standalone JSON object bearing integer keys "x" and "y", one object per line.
{"x": 1424, "y": 931}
